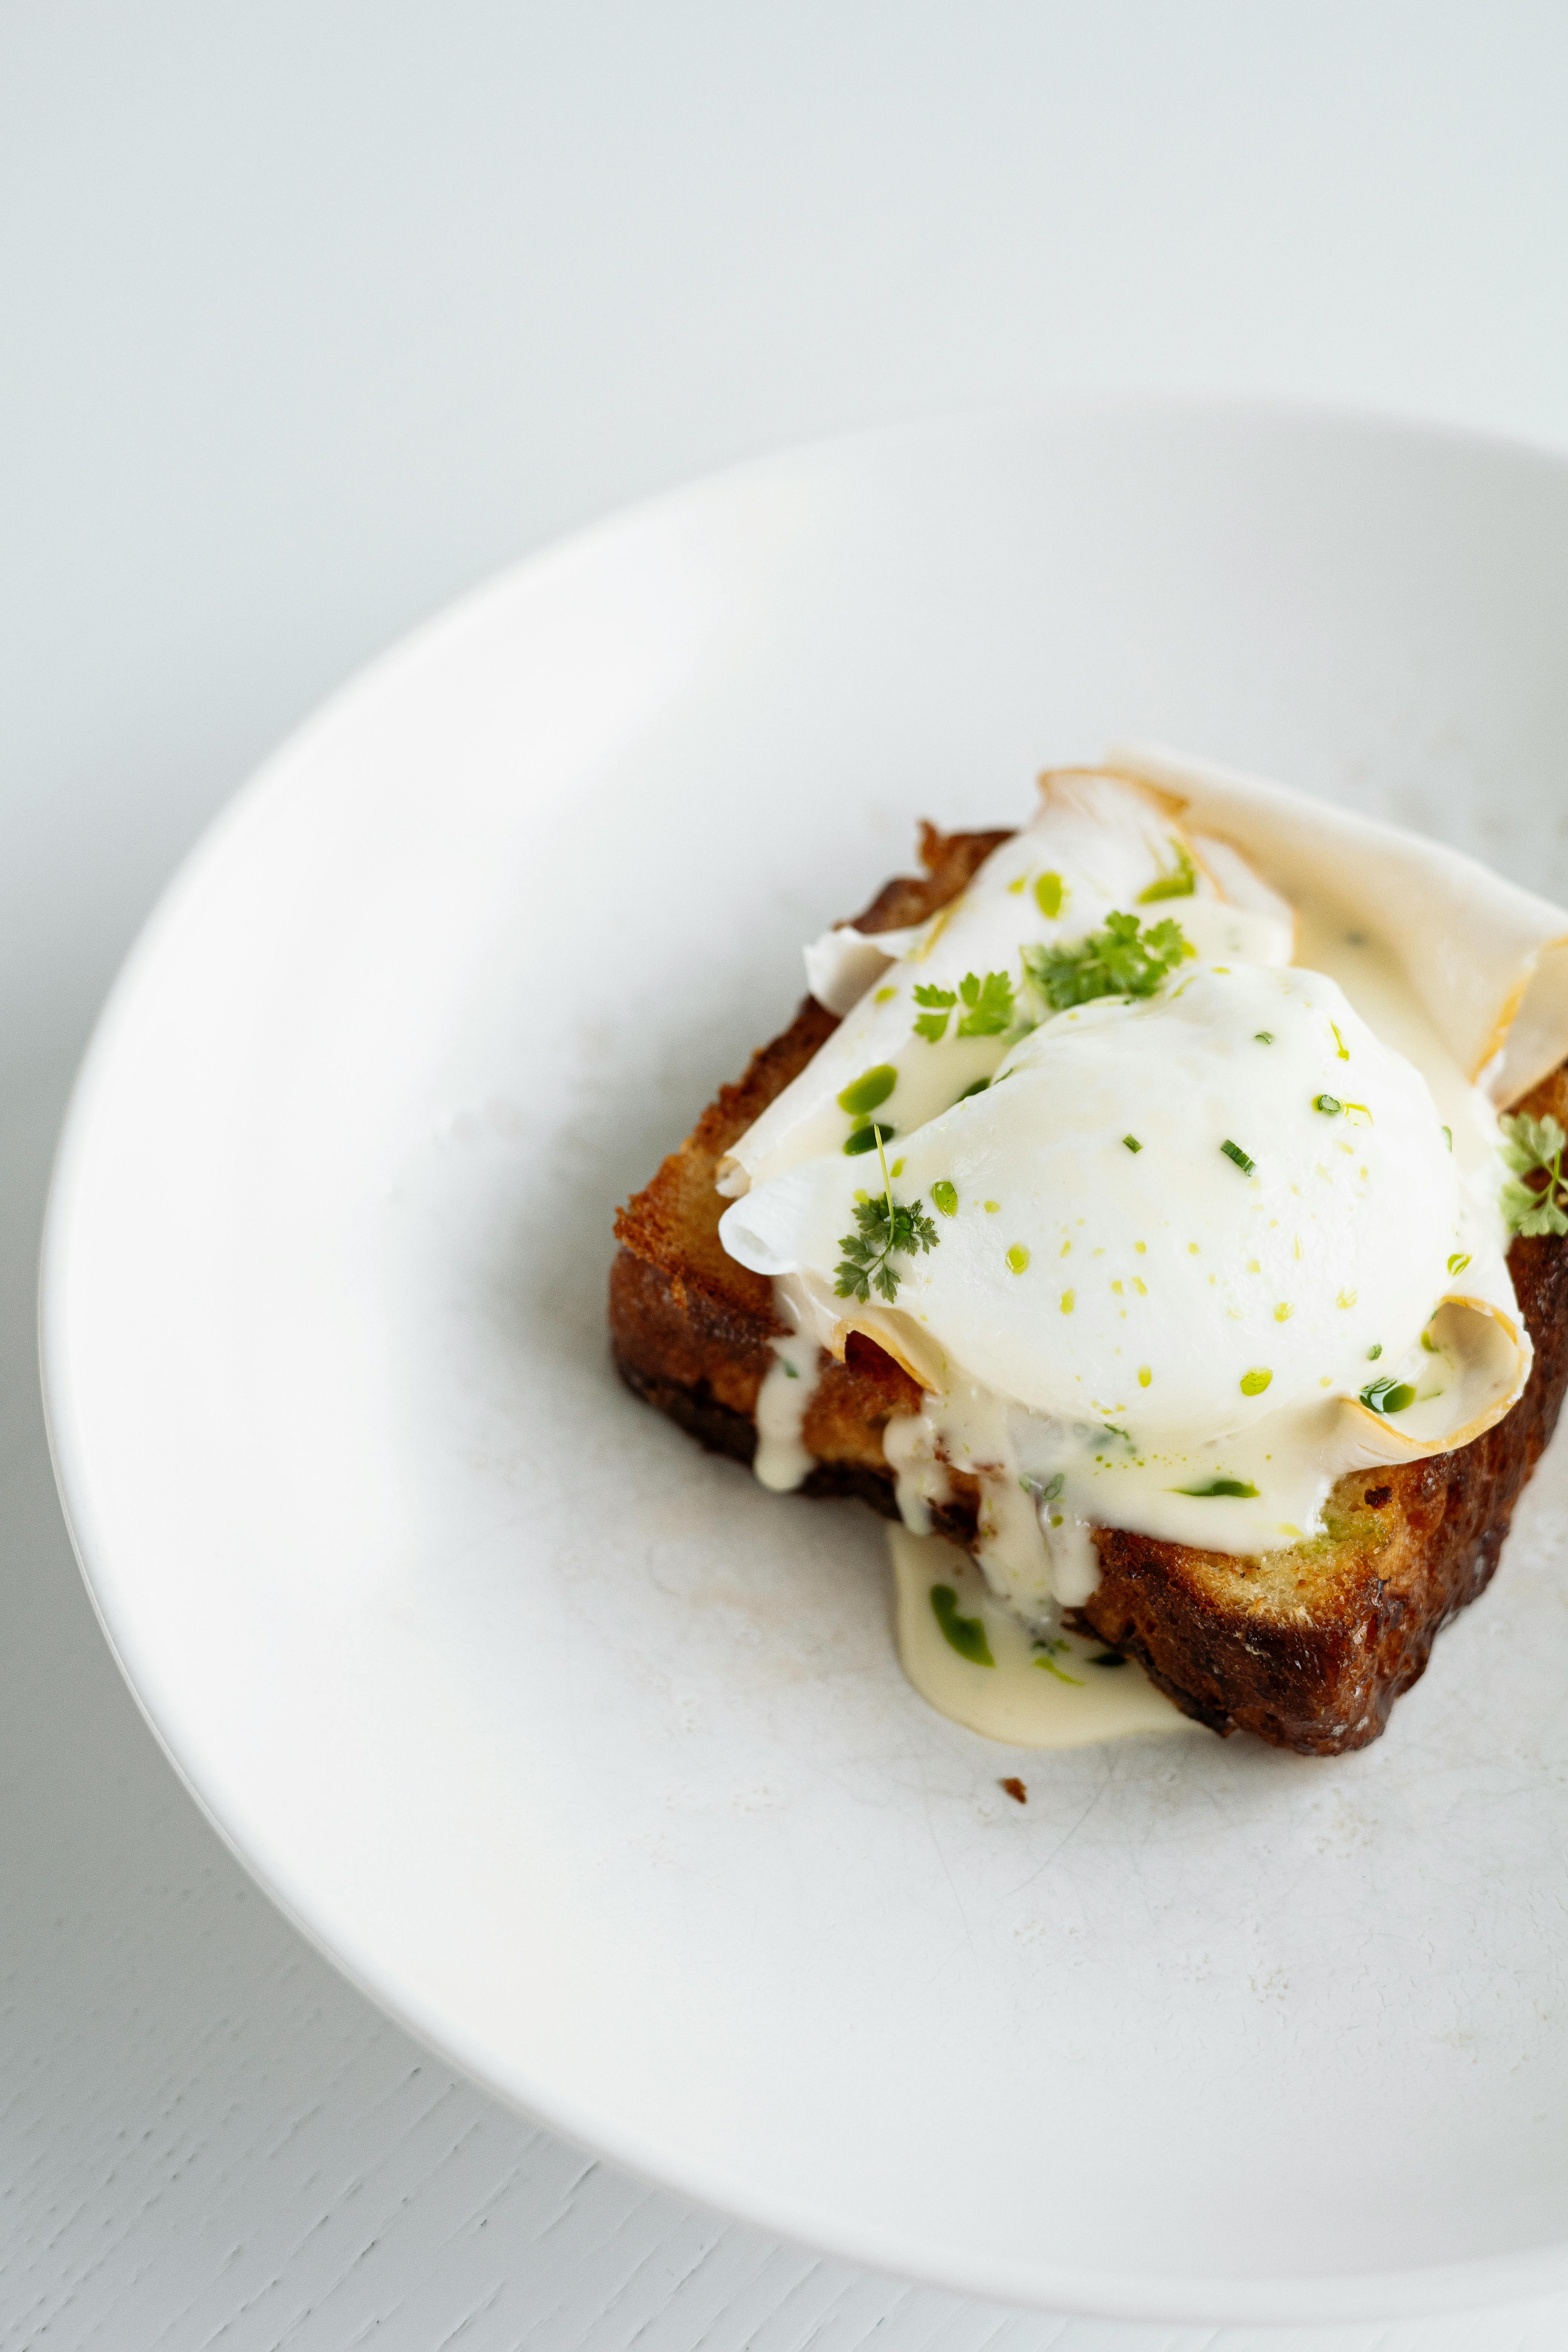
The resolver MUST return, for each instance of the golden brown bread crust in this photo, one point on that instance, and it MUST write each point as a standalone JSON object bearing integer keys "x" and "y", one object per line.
{"x": 1307, "y": 1648}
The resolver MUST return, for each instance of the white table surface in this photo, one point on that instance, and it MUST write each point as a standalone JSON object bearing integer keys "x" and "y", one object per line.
{"x": 312, "y": 314}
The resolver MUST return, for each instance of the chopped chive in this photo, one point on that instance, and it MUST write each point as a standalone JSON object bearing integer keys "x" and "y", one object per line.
{"x": 1372, "y": 1353}
{"x": 1329, "y": 1104}
{"x": 966, "y": 1635}
{"x": 1448, "y": 1136}
{"x": 945, "y": 1196}
{"x": 1265, "y": 1036}
{"x": 1238, "y": 1486}
{"x": 866, "y": 1138}
{"x": 1133, "y": 1143}
{"x": 1387, "y": 1395}
{"x": 871, "y": 1087}
{"x": 1179, "y": 881}
{"x": 977, "y": 1088}
{"x": 1234, "y": 1151}
{"x": 1458, "y": 1262}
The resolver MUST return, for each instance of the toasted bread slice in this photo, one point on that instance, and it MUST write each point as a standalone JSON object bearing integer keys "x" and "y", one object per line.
{"x": 1309, "y": 1648}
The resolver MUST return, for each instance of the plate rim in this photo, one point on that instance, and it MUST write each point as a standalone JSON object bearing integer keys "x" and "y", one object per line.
{"x": 1177, "y": 2299}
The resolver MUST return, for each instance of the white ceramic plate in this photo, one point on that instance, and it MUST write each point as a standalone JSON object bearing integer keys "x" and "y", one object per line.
{"x": 588, "y": 1759}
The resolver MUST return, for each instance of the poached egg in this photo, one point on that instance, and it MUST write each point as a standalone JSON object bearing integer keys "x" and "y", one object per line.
{"x": 1188, "y": 1257}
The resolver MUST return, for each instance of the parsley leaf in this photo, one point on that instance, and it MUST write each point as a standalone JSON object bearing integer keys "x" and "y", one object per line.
{"x": 885, "y": 1228}
{"x": 933, "y": 1025}
{"x": 988, "y": 1007}
{"x": 989, "y": 1002}
{"x": 1123, "y": 959}
{"x": 1534, "y": 1146}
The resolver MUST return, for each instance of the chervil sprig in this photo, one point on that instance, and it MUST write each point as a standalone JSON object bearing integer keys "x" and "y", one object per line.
{"x": 988, "y": 1006}
{"x": 1125, "y": 959}
{"x": 932, "y": 1023}
{"x": 886, "y": 1228}
{"x": 1535, "y": 1147}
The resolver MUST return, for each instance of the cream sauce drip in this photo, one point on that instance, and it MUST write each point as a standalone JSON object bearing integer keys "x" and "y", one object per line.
{"x": 781, "y": 1460}
{"x": 1037, "y": 1692}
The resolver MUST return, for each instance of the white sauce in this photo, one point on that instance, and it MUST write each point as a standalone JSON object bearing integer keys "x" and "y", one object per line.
{"x": 919, "y": 1478}
{"x": 1037, "y": 1693}
{"x": 781, "y": 1460}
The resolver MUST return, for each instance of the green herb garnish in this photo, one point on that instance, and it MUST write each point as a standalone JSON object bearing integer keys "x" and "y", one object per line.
{"x": 988, "y": 1007}
{"x": 1535, "y": 1147}
{"x": 1237, "y": 1486}
{"x": 966, "y": 1635}
{"x": 1264, "y": 1036}
{"x": 1047, "y": 1662}
{"x": 866, "y": 1138}
{"x": 1331, "y": 1104}
{"x": 1458, "y": 1262}
{"x": 945, "y": 1196}
{"x": 1387, "y": 1395}
{"x": 1234, "y": 1151}
{"x": 886, "y": 1228}
{"x": 870, "y": 1088}
{"x": 1180, "y": 883}
{"x": 1123, "y": 959}
{"x": 933, "y": 1022}
{"x": 1133, "y": 1143}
